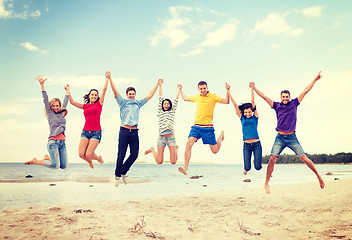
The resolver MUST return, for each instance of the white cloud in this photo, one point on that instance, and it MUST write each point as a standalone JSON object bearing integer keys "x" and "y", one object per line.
{"x": 340, "y": 48}
{"x": 6, "y": 11}
{"x": 311, "y": 12}
{"x": 221, "y": 35}
{"x": 192, "y": 52}
{"x": 274, "y": 24}
{"x": 172, "y": 29}
{"x": 29, "y": 46}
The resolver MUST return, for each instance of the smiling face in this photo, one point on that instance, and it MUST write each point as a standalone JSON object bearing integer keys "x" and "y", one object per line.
{"x": 166, "y": 105}
{"x": 203, "y": 89}
{"x": 55, "y": 106}
{"x": 248, "y": 113}
{"x": 285, "y": 98}
{"x": 131, "y": 94}
{"x": 93, "y": 96}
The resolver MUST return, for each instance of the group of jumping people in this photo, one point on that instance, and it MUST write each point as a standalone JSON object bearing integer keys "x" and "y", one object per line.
{"x": 55, "y": 112}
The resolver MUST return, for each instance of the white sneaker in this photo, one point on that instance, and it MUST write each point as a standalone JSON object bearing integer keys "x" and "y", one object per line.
{"x": 117, "y": 181}
{"x": 124, "y": 178}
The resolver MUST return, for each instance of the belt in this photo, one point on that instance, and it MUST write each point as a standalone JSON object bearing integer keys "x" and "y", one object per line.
{"x": 128, "y": 130}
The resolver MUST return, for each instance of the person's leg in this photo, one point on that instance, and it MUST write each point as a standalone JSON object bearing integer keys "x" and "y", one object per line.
{"x": 173, "y": 154}
{"x": 82, "y": 148}
{"x": 134, "y": 150}
{"x": 188, "y": 153}
{"x": 269, "y": 171}
{"x": 310, "y": 164}
{"x": 257, "y": 151}
{"x": 216, "y": 148}
{"x": 121, "y": 152}
{"x": 63, "y": 155}
{"x": 53, "y": 149}
{"x": 247, "y": 155}
{"x": 90, "y": 152}
{"x": 159, "y": 154}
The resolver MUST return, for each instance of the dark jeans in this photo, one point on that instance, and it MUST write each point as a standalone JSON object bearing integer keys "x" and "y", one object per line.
{"x": 127, "y": 138}
{"x": 256, "y": 148}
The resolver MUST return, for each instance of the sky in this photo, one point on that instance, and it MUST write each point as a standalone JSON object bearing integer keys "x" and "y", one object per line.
{"x": 277, "y": 44}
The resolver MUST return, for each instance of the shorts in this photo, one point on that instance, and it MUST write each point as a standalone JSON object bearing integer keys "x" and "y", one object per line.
{"x": 166, "y": 141}
{"x": 91, "y": 135}
{"x": 290, "y": 140}
{"x": 207, "y": 134}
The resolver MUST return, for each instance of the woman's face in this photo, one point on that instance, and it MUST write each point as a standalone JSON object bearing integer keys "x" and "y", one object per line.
{"x": 93, "y": 96}
{"x": 55, "y": 106}
{"x": 166, "y": 105}
{"x": 248, "y": 113}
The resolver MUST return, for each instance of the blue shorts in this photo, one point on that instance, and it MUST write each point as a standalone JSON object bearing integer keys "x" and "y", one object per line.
{"x": 167, "y": 141}
{"x": 290, "y": 140}
{"x": 91, "y": 135}
{"x": 207, "y": 134}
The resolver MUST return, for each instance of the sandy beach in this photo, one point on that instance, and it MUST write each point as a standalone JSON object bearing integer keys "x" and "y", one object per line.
{"x": 299, "y": 211}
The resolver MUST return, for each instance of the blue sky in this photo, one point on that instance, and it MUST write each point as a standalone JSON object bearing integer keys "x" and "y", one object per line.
{"x": 277, "y": 44}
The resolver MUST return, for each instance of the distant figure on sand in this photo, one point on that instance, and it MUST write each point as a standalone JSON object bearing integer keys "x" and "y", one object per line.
{"x": 286, "y": 113}
{"x": 128, "y": 135}
{"x": 91, "y": 133}
{"x": 166, "y": 115}
{"x": 203, "y": 125}
{"x": 248, "y": 115}
{"x": 55, "y": 113}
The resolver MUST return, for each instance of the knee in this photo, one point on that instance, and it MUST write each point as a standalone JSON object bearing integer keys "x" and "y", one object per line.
{"x": 273, "y": 159}
{"x": 258, "y": 167}
{"x": 82, "y": 155}
{"x": 89, "y": 155}
{"x": 54, "y": 165}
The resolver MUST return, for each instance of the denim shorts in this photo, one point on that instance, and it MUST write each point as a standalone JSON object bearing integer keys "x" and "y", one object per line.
{"x": 206, "y": 134}
{"x": 167, "y": 141}
{"x": 91, "y": 135}
{"x": 290, "y": 140}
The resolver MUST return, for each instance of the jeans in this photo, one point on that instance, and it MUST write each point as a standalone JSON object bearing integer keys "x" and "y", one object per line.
{"x": 290, "y": 140}
{"x": 127, "y": 138}
{"x": 256, "y": 148}
{"x": 58, "y": 154}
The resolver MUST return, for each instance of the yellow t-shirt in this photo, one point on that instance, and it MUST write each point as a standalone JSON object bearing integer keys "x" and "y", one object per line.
{"x": 205, "y": 107}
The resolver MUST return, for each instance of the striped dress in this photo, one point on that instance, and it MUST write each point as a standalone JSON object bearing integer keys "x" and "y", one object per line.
{"x": 166, "y": 118}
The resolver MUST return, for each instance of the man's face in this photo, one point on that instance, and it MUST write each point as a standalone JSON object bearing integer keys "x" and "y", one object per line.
{"x": 131, "y": 94}
{"x": 285, "y": 98}
{"x": 203, "y": 89}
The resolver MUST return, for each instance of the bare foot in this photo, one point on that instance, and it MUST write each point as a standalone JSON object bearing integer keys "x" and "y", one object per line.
{"x": 100, "y": 159}
{"x": 182, "y": 170}
{"x": 90, "y": 164}
{"x": 148, "y": 151}
{"x": 267, "y": 188}
{"x": 222, "y": 135}
{"x": 177, "y": 147}
{"x": 46, "y": 157}
{"x": 33, "y": 161}
{"x": 244, "y": 172}
{"x": 321, "y": 182}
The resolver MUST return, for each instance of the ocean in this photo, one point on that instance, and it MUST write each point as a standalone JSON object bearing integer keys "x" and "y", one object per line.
{"x": 162, "y": 180}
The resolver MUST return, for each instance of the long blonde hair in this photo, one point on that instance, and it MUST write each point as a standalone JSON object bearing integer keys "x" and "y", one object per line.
{"x": 62, "y": 110}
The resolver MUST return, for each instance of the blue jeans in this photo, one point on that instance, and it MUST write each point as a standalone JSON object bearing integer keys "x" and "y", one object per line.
{"x": 127, "y": 138}
{"x": 290, "y": 140}
{"x": 58, "y": 154}
{"x": 256, "y": 148}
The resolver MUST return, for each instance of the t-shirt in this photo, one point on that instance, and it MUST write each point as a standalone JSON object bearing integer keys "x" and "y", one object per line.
{"x": 166, "y": 118}
{"x": 92, "y": 114}
{"x": 286, "y": 115}
{"x": 205, "y": 107}
{"x": 129, "y": 110}
{"x": 249, "y": 127}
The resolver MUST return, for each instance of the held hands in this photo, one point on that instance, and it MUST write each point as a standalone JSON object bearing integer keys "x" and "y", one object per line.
{"x": 251, "y": 84}
{"x": 179, "y": 86}
{"x": 67, "y": 87}
{"x": 40, "y": 79}
{"x": 108, "y": 74}
{"x": 318, "y": 77}
{"x": 227, "y": 87}
{"x": 160, "y": 81}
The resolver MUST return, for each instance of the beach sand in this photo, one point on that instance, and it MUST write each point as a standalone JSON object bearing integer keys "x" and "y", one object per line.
{"x": 299, "y": 211}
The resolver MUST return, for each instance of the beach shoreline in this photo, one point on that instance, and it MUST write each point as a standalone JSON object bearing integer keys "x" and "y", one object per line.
{"x": 296, "y": 211}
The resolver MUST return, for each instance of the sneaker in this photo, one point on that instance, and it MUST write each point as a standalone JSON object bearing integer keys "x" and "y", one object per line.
{"x": 117, "y": 181}
{"x": 124, "y": 178}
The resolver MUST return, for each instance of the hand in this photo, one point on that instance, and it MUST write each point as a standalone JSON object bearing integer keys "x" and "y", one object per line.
{"x": 179, "y": 86}
{"x": 40, "y": 79}
{"x": 160, "y": 81}
{"x": 67, "y": 87}
{"x": 251, "y": 84}
{"x": 227, "y": 87}
{"x": 108, "y": 74}
{"x": 318, "y": 77}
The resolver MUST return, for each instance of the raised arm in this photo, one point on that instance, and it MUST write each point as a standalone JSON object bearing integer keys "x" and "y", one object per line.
{"x": 268, "y": 100}
{"x": 41, "y": 81}
{"x": 74, "y": 103}
{"x": 178, "y": 91}
{"x": 67, "y": 96}
{"x": 309, "y": 87}
{"x": 251, "y": 85}
{"x": 226, "y": 100}
{"x": 152, "y": 92}
{"x": 160, "y": 88}
{"x": 103, "y": 92}
{"x": 183, "y": 95}
{"x": 108, "y": 76}
{"x": 238, "y": 111}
